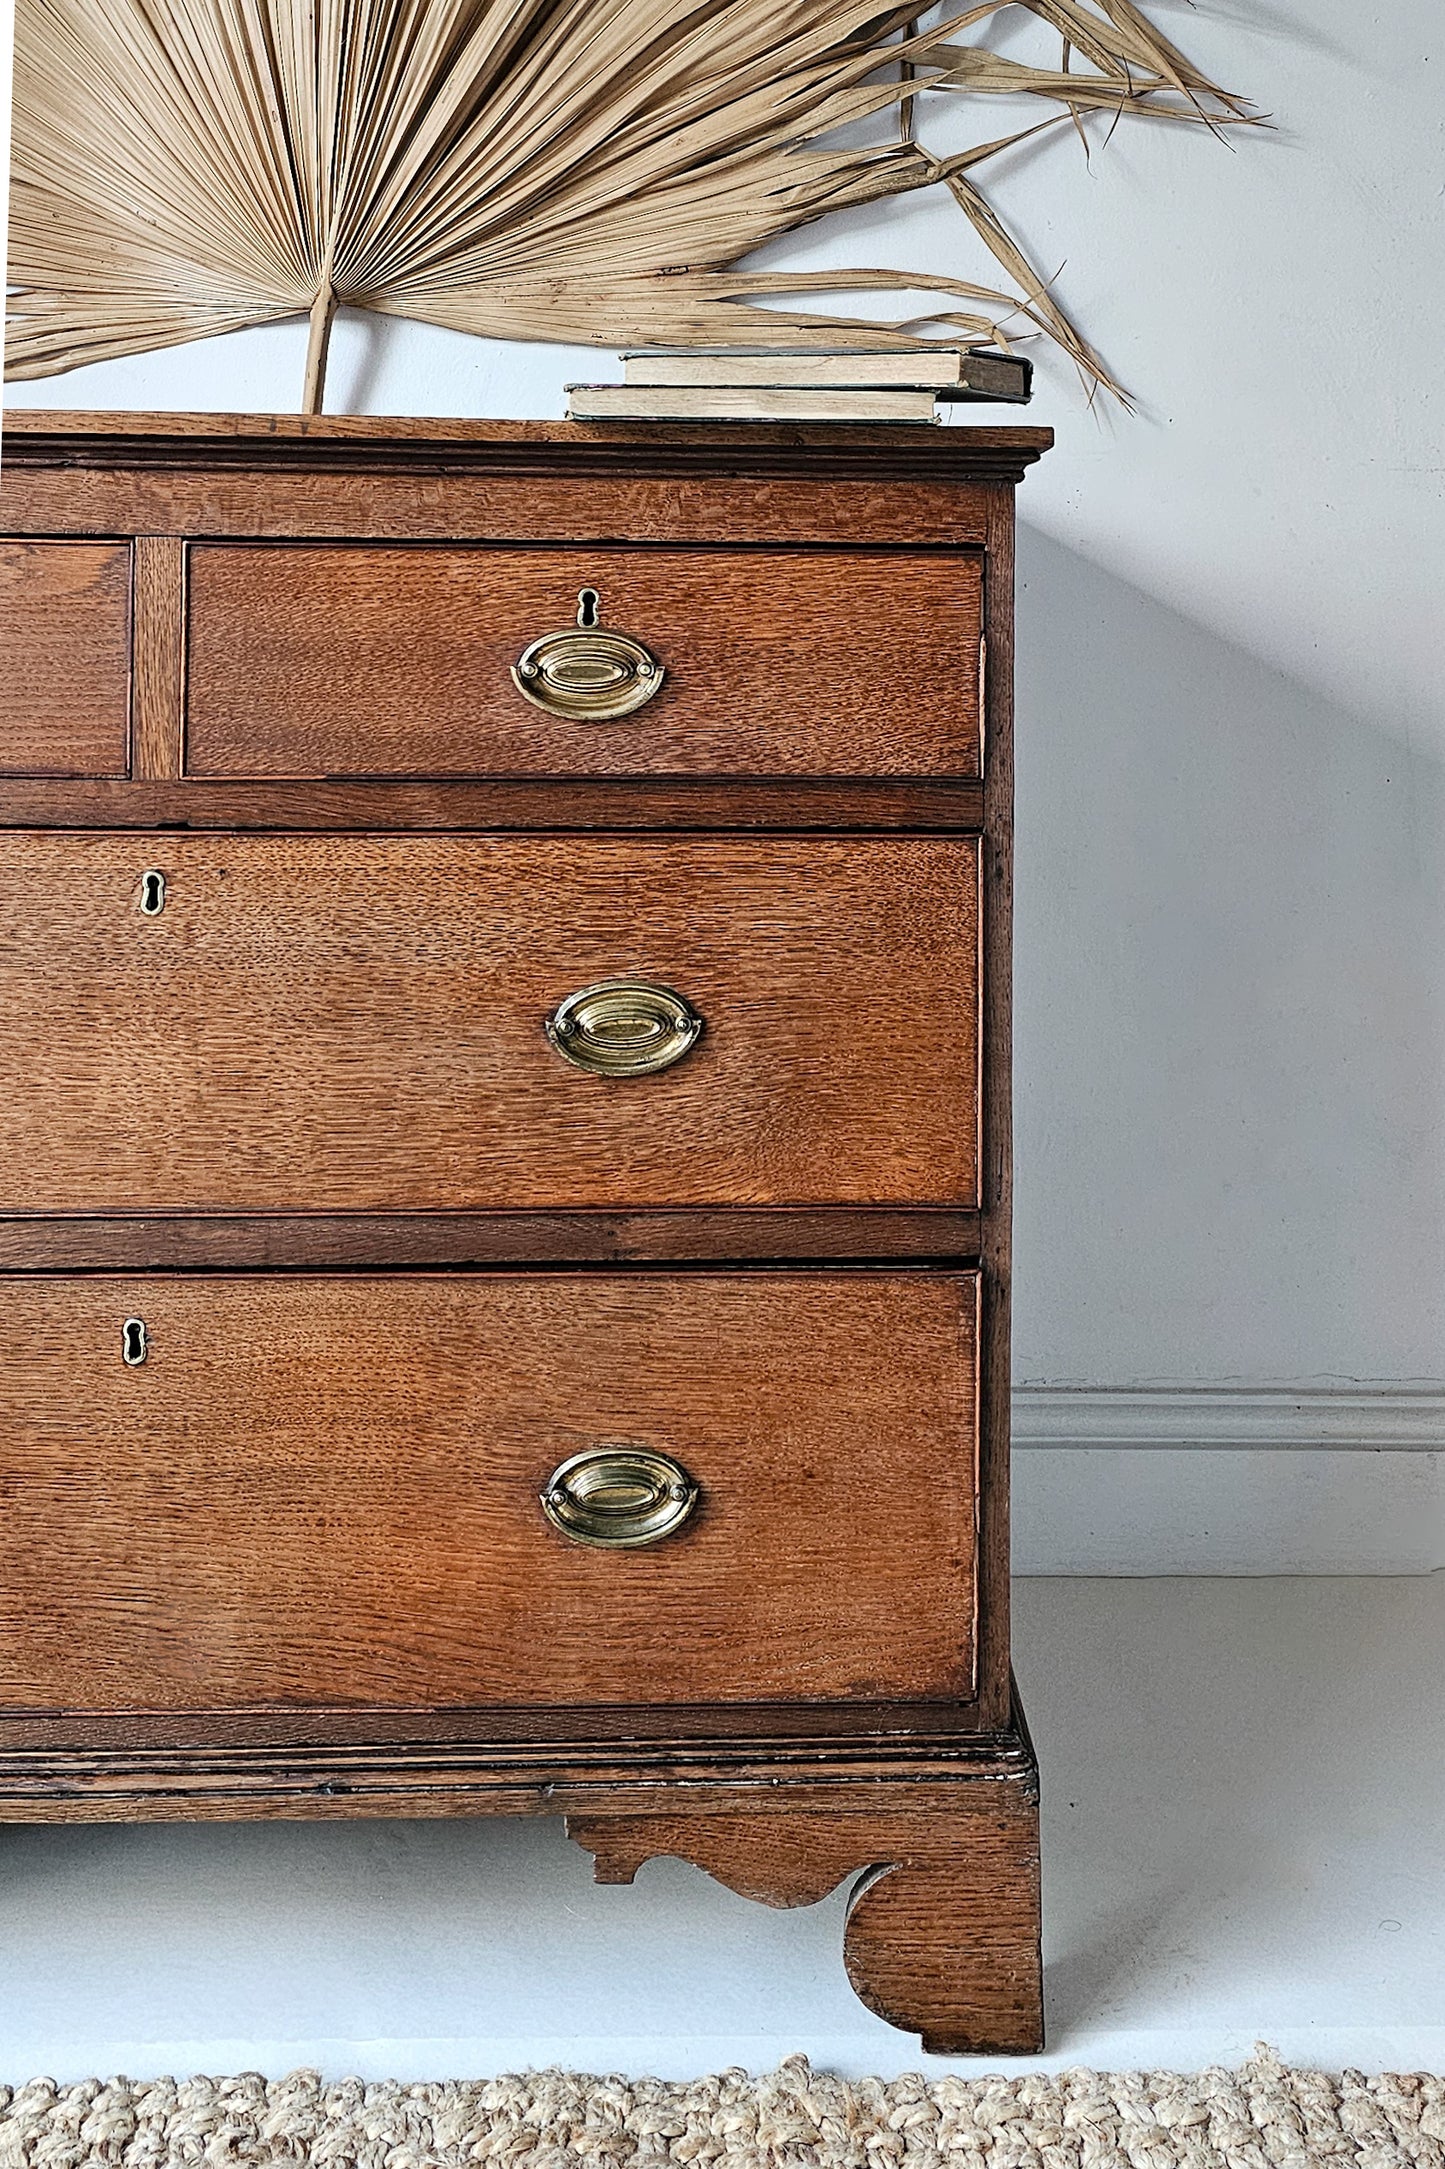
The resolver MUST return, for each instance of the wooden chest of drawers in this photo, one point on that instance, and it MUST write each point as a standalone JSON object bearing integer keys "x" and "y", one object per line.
{"x": 504, "y": 1151}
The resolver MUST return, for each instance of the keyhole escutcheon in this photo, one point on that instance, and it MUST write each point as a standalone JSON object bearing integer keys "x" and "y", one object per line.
{"x": 134, "y": 1341}
{"x": 152, "y": 894}
{"x": 589, "y": 609}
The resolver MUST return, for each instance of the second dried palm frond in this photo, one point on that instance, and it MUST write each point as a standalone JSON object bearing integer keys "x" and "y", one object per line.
{"x": 573, "y": 170}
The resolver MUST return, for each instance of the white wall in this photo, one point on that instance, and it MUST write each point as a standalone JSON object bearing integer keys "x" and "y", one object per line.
{"x": 1230, "y": 1011}
{"x": 1231, "y": 1015}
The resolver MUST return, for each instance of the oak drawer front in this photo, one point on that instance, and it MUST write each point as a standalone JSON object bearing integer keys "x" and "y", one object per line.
{"x": 64, "y": 658}
{"x": 304, "y": 1023}
{"x": 309, "y": 661}
{"x": 326, "y": 1491}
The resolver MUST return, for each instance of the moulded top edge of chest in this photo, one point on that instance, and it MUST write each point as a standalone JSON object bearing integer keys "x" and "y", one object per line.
{"x": 364, "y": 443}
{"x": 118, "y": 474}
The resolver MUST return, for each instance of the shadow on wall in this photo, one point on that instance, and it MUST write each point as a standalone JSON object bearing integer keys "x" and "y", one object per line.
{"x": 1230, "y": 1010}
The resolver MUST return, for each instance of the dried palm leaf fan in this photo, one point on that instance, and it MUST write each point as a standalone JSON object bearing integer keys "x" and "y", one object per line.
{"x": 578, "y": 170}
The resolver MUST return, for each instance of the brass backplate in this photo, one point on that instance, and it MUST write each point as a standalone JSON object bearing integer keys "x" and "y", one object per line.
{"x": 624, "y": 1028}
{"x": 619, "y": 1497}
{"x": 587, "y": 675}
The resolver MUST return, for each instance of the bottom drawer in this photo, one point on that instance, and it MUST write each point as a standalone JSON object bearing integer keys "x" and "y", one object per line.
{"x": 327, "y": 1491}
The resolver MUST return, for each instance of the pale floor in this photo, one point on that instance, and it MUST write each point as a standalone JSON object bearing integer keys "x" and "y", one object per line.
{"x": 1244, "y": 1839}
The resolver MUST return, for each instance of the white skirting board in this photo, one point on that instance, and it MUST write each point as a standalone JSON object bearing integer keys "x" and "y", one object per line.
{"x": 1229, "y": 1480}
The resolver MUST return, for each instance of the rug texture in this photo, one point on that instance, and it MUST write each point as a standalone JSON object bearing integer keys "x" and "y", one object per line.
{"x": 1264, "y": 2116}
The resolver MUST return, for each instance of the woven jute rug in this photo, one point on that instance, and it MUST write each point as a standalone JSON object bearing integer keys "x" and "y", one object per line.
{"x": 1264, "y": 2116}
{"x": 1259, "y": 2118}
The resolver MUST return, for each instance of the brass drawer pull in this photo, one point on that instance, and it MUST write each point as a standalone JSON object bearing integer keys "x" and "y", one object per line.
{"x": 588, "y": 676}
{"x": 618, "y": 1497}
{"x": 623, "y": 1028}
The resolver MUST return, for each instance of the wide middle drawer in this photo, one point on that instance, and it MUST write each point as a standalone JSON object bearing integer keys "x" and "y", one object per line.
{"x": 309, "y": 1023}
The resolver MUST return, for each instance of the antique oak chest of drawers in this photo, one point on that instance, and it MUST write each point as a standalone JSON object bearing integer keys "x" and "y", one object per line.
{"x": 504, "y": 1151}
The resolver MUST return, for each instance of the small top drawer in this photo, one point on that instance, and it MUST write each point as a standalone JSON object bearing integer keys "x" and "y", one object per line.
{"x": 65, "y": 658}
{"x": 315, "y": 660}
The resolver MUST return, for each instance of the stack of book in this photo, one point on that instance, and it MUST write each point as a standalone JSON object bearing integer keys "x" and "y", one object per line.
{"x": 753, "y": 384}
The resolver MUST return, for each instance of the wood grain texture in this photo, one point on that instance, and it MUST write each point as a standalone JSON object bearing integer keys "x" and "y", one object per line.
{"x": 946, "y": 1940}
{"x": 104, "y": 437}
{"x": 997, "y": 1113}
{"x": 943, "y": 1928}
{"x": 293, "y": 1565}
{"x": 65, "y": 658}
{"x": 356, "y": 494}
{"x": 356, "y": 1024}
{"x": 331, "y": 661}
{"x": 550, "y": 803}
{"x": 737, "y": 1751}
{"x": 722, "y": 1759}
{"x": 321, "y": 1490}
{"x": 157, "y": 715}
{"x": 757, "y": 1234}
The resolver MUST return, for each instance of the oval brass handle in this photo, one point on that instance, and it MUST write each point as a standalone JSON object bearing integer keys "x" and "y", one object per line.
{"x": 586, "y": 674}
{"x": 623, "y": 1028}
{"x": 618, "y": 1497}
